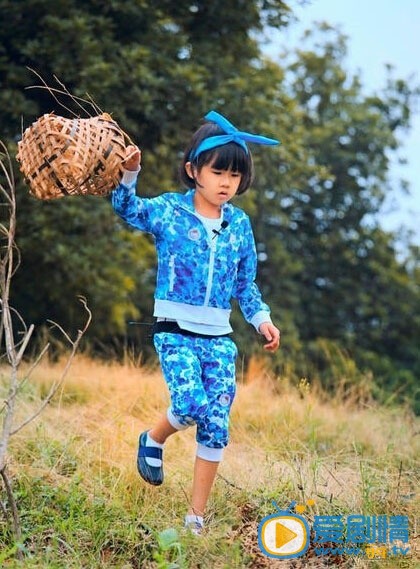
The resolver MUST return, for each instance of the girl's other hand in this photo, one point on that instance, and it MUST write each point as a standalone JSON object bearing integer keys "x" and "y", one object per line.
{"x": 271, "y": 334}
{"x": 132, "y": 158}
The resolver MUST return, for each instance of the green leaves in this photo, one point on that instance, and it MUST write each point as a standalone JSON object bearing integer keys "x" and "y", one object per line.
{"x": 326, "y": 267}
{"x": 169, "y": 554}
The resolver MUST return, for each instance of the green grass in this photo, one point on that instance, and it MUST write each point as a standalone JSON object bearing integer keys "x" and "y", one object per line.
{"x": 83, "y": 505}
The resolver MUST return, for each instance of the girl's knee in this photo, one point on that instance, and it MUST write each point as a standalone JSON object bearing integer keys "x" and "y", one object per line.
{"x": 190, "y": 414}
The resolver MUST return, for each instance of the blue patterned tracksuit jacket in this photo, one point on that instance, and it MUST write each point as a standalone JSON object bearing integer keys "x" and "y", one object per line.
{"x": 196, "y": 279}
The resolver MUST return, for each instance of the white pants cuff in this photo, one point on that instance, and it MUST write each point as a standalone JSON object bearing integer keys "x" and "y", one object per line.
{"x": 174, "y": 421}
{"x": 210, "y": 454}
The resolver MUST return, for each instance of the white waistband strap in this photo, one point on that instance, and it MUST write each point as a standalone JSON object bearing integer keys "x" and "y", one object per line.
{"x": 191, "y": 313}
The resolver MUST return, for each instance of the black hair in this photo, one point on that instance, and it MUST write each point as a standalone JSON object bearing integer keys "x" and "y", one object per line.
{"x": 229, "y": 156}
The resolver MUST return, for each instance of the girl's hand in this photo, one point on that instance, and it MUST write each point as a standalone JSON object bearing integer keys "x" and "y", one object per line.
{"x": 132, "y": 158}
{"x": 271, "y": 334}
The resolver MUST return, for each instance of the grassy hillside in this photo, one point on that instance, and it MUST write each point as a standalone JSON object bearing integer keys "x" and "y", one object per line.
{"x": 82, "y": 503}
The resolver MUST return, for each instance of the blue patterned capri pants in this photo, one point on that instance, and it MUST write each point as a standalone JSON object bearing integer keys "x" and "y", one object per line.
{"x": 201, "y": 378}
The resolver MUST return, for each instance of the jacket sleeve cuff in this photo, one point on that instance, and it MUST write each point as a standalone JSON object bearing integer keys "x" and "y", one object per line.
{"x": 129, "y": 176}
{"x": 259, "y": 318}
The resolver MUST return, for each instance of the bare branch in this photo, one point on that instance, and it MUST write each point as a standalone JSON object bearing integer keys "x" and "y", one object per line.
{"x": 66, "y": 92}
{"x": 55, "y": 325}
{"x": 12, "y": 503}
{"x": 21, "y": 322}
{"x": 25, "y": 341}
{"x": 36, "y": 362}
{"x": 50, "y": 90}
{"x": 14, "y": 350}
{"x": 94, "y": 105}
{"x": 76, "y": 99}
{"x": 4, "y": 511}
{"x": 57, "y": 384}
{"x": 8, "y": 173}
{"x": 28, "y": 374}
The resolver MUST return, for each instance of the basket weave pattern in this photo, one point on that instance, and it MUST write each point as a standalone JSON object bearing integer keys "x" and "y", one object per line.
{"x": 61, "y": 157}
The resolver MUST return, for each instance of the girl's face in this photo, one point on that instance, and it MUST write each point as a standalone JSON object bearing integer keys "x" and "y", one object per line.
{"x": 213, "y": 188}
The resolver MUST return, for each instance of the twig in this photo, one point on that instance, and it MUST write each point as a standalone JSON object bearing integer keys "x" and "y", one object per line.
{"x": 25, "y": 341}
{"x": 4, "y": 511}
{"x": 51, "y": 91}
{"x": 12, "y": 503}
{"x": 34, "y": 365}
{"x": 229, "y": 483}
{"x": 55, "y": 325}
{"x": 28, "y": 373}
{"x": 332, "y": 475}
{"x": 89, "y": 99}
{"x": 399, "y": 481}
{"x": 57, "y": 384}
{"x": 14, "y": 350}
{"x": 66, "y": 92}
{"x": 94, "y": 105}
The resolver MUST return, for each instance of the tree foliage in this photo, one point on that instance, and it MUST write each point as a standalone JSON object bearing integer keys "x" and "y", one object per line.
{"x": 330, "y": 272}
{"x": 354, "y": 289}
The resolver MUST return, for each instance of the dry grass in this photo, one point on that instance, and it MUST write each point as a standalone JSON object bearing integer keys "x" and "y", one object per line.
{"x": 286, "y": 444}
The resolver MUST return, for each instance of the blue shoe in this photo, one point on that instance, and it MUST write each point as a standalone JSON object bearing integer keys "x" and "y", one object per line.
{"x": 151, "y": 474}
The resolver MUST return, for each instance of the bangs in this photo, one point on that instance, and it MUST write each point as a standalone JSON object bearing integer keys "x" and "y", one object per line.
{"x": 229, "y": 157}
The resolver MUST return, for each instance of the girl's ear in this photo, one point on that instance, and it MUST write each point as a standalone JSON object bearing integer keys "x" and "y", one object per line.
{"x": 189, "y": 170}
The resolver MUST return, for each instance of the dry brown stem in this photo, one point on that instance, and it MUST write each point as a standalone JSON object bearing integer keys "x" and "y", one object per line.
{"x": 11, "y": 325}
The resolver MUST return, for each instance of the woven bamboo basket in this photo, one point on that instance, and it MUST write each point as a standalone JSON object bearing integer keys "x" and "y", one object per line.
{"x": 61, "y": 157}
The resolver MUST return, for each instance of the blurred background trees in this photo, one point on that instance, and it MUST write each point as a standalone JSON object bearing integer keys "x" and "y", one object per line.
{"x": 346, "y": 301}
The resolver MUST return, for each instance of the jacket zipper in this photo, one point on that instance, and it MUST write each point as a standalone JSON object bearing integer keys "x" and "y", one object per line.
{"x": 171, "y": 272}
{"x": 211, "y": 271}
{"x": 212, "y": 246}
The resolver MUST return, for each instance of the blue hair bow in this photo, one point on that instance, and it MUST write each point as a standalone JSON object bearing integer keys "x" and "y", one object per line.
{"x": 232, "y": 135}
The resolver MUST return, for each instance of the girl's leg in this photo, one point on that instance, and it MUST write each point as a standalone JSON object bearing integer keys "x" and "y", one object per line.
{"x": 162, "y": 430}
{"x": 204, "y": 475}
{"x": 182, "y": 373}
{"x": 217, "y": 357}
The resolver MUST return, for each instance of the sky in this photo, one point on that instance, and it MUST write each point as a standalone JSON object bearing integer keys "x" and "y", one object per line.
{"x": 379, "y": 32}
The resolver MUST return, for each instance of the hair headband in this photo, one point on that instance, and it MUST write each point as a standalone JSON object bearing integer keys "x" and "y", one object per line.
{"x": 232, "y": 135}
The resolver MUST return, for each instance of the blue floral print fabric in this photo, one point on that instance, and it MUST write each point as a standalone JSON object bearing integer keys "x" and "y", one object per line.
{"x": 200, "y": 374}
{"x": 194, "y": 270}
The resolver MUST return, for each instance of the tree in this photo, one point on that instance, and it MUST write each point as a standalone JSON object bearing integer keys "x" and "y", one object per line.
{"x": 15, "y": 336}
{"x": 326, "y": 267}
{"x": 351, "y": 135}
{"x": 350, "y": 285}
{"x": 150, "y": 66}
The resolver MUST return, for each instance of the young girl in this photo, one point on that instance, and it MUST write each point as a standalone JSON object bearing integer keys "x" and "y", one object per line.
{"x": 206, "y": 257}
